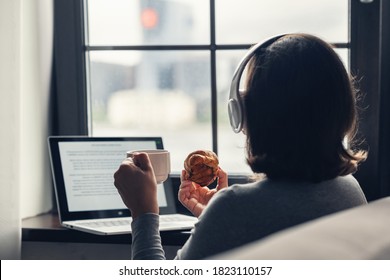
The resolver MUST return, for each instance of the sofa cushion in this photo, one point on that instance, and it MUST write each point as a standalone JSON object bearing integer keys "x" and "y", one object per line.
{"x": 359, "y": 233}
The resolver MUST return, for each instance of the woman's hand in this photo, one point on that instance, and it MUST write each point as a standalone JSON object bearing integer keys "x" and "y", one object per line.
{"x": 136, "y": 184}
{"x": 196, "y": 197}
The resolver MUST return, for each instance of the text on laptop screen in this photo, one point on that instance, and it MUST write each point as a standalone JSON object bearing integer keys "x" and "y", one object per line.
{"x": 88, "y": 169}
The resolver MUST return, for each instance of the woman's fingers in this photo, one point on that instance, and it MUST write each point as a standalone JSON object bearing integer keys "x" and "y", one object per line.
{"x": 222, "y": 179}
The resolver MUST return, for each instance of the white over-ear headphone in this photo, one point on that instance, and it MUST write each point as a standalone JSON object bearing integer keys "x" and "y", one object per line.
{"x": 236, "y": 108}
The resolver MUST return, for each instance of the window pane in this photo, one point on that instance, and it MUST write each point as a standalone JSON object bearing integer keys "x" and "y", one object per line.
{"x": 153, "y": 93}
{"x": 249, "y": 21}
{"x": 167, "y": 93}
{"x": 231, "y": 146}
{"x": 344, "y": 55}
{"x": 154, "y": 22}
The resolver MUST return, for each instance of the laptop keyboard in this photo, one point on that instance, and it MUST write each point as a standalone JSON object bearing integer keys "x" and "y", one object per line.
{"x": 108, "y": 223}
{"x": 127, "y": 221}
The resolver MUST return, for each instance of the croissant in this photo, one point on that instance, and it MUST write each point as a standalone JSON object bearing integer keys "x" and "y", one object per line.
{"x": 202, "y": 167}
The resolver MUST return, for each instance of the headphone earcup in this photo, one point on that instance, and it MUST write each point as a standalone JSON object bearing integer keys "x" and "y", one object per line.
{"x": 235, "y": 115}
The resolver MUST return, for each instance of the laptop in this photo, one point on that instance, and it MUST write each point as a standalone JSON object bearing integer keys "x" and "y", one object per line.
{"x": 87, "y": 200}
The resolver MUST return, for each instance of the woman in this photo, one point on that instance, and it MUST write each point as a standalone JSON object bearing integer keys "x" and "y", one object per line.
{"x": 299, "y": 116}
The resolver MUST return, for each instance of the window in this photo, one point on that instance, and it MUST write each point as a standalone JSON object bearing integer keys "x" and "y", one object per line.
{"x": 163, "y": 67}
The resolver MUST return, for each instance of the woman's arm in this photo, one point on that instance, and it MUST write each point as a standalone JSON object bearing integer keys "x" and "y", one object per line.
{"x": 136, "y": 184}
{"x": 146, "y": 240}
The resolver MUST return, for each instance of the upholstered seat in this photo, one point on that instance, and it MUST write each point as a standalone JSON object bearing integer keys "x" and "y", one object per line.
{"x": 359, "y": 233}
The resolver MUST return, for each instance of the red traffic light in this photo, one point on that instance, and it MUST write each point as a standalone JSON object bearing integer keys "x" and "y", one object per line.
{"x": 149, "y": 18}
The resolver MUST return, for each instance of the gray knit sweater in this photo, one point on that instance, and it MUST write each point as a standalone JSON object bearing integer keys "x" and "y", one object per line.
{"x": 244, "y": 213}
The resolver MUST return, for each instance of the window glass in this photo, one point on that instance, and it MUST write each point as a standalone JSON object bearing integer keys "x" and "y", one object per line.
{"x": 248, "y": 21}
{"x": 153, "y": 93}
{"x": 153, "y": 22}
{"x": 162, "y": 85}
{"x": 344, "y": 55}
{"x": 231, "y": 146}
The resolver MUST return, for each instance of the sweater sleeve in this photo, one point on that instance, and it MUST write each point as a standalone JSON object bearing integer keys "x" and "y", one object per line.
{"x": 146, "y": 240}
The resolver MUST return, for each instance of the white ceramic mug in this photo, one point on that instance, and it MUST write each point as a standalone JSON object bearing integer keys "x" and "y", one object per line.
{"x": 161, "y": 162}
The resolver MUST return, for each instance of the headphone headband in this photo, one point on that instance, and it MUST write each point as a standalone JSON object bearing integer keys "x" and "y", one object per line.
{"x": 235, "y": 104}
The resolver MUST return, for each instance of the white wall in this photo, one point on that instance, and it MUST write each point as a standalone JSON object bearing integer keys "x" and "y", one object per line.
{"x": 25, "y": 65}
{"x": 10, "y": 72}
{"x": 36, "y": 57}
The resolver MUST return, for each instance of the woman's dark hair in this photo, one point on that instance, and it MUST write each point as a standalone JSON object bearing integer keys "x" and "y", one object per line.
{"x": 301, "y": 113}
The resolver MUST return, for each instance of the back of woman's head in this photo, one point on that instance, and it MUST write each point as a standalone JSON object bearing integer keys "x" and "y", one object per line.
{"x": 300, "y": 107}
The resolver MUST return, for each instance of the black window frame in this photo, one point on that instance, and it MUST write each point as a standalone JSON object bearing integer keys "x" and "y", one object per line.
{"x": 369, "y": 58}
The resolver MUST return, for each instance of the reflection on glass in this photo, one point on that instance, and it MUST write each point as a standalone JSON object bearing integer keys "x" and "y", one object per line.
{"x": 154, "y": 22}
{"x": 159, "y": 93}
{"x": 249, "y": 21}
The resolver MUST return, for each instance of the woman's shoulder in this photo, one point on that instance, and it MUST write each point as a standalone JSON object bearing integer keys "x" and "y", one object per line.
{"x": 242, "y": 189}
{"x": 262, "y": 190}
{"x": 267, "y": 187}
{"x": 347, "y": 186}
{"x": 348, "y": 180}
{"x": 241, "y": 192}
{"x": 346, "y": 183}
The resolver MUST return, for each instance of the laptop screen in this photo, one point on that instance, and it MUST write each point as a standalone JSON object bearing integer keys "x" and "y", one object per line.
{"x": 83, "y": 169}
